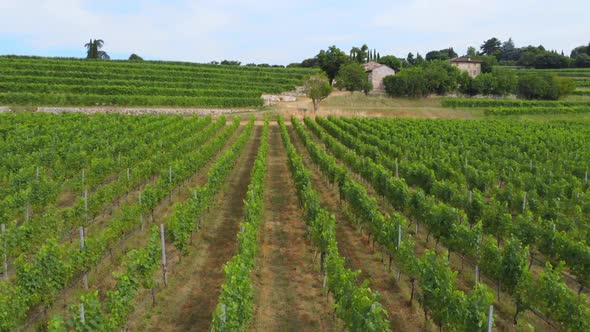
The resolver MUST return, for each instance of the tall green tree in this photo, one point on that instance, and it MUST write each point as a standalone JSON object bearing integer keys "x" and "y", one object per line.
{"x": 317, "y": 88}
{"x": 491, "y": 46}
{"x": 93, "y": 50}
{"x": 410, "y": 59}
{"x": 135, "y": 57}
{"x": 352, "y": 77}
{"x": 509, "y": 52}
{"x": 391, "y": 61}
{"x": 331, "y": 60}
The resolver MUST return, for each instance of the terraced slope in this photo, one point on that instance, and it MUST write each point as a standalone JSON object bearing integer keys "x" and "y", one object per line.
{"x": 73, "y": 82}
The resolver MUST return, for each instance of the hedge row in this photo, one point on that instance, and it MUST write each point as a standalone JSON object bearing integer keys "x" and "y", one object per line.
{"x": 140, "y": 76}
{"x": 476, "y": 102}
{"x": 536, "y": 110}
{"x": 165, "y": 65}
{"x": 261, "y": 86}
{"x": 125, "y": 90}
{"x": 147, "y": 71}
{"x": 42, "y": 99}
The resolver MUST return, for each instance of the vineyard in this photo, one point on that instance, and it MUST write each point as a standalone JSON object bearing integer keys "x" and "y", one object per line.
{"x": 28, "y": 81}
{"x": 578, "y": 104}
{"x": 157, "y": 223}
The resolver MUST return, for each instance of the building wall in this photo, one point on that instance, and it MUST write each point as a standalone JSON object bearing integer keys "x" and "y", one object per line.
{"x": 377, "y": 75}
{"x": 472, "y": 68}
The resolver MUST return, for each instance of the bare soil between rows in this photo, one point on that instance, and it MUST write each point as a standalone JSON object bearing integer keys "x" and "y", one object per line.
{"x": 187, "y": 304}
{"x": 288, "y": 286}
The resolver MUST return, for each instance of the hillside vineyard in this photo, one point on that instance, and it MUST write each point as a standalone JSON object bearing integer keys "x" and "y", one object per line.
{"x": 156, "y": 222}
{"x": 29, "y": 81}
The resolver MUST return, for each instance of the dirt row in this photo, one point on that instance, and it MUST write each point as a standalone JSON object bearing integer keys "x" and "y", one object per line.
{"x": 288, "y": 287}
{"x": 195, "y": 281}
{"x": 101, "y": 277}
{"x": 504, "y": 308}
{"x": 358, "y": 255}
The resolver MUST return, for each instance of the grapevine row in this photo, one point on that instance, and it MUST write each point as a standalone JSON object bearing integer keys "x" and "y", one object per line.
{"x": 54, "y": 266}
{"x": 235, "y": 305}
{"x": 141, "y": 264}
{"x": 508, "y": 266}
{"x": 447, "y": 305}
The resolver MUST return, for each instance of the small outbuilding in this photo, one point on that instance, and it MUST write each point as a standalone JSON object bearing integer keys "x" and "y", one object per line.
{"x": 469, "y": 65}
{"x": 377, "y": 72}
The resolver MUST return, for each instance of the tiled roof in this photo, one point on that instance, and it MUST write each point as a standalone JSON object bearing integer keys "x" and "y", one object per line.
{"x": 465, "y": 59}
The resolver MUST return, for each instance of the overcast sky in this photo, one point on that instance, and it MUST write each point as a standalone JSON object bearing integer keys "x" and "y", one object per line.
{"x": 283, "y": 31}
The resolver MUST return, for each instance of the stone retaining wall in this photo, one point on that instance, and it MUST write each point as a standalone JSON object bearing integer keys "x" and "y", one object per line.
{"x": 139, "y": 111}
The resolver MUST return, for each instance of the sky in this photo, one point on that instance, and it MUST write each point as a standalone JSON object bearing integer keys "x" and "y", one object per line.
{"x": 283, "y": 31}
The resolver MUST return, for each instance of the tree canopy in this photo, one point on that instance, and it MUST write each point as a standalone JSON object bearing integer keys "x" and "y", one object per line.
{"x": 93, "y": 50}
{"x": 491, "y": 46}
{"x": 352, "y": 77}
{"x": 135, "y": 57}
{"x": 331, "y": 60}
{"x": 391, "y": 61}
{"x": 317, "y": 88}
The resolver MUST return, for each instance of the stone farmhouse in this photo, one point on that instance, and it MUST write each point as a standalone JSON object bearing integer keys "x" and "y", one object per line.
{"x": 469, "y": 65}
{"x": 377, "y": 72}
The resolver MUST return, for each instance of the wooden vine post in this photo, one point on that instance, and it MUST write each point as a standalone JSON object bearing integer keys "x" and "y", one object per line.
{"x": 82, "y": 313}
{"x": 141, "y": 214}
{"x": 82, "y": 244}
{"x": 170, "y": 182}
{"x": 5, "y": 257}
{"x": 163, "y": 244}
{"x": 85, "y": 206}
{"x": 399, "y": 243}
{"x": 491, "y": 318}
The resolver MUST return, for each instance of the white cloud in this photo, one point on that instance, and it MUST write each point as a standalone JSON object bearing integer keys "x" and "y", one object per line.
{"x": 460, "y": 23}
{"x": 283, "y": 31}
{"x": 182, "y": 32}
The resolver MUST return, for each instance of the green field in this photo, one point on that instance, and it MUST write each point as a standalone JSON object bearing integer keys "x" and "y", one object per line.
{"x": 27, "y": 81}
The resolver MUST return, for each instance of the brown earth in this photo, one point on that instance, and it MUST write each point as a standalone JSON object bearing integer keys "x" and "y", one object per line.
{"x": 504, "y": 308}
{"x": 101, "y": 277}
{"x": 189, "y": 300}
{"x": 358, "y": 255}
{"x": 287, "y": 282}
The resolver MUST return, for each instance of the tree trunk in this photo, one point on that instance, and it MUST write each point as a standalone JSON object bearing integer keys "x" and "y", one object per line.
{"x": 412, "y": 293}
{"x": 580, "y": 289}
{"x": 316, "y": 105}
{"x": 153, "y": 296}
{"x": 390, "y": 259}
{"x": 322, "y": 258}
{"x": 516, "y": 315}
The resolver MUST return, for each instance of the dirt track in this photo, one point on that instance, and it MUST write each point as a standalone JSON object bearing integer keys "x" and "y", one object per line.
{"x": 188, "y": 302}
{"x": 287, "y": 283}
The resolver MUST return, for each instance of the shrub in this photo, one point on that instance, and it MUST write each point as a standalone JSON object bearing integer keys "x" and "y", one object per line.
{"x": 583, "y": 61}
{"x": 352, "y": 77}
{"x": 410, "y": 82}
{"x": 544, "y": 86}
{"x": 433, "y": 77}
